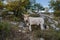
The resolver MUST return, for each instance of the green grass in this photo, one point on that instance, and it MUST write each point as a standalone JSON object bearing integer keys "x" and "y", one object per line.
{"x": 47, "y": 34}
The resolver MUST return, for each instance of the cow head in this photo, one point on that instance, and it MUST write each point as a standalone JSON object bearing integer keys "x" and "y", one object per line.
{"x": 26, "y": 17}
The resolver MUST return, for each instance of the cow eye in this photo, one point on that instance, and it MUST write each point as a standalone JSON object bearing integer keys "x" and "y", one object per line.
{"x": 26, "y": 20}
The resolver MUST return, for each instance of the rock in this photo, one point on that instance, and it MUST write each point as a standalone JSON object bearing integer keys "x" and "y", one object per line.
{"x": 53, "y": 26}
{"x": 57, "y": 29}
{"x": 47, "y": 27}
{"x": 14, "y": 23}
{"x": 41, "y": 38}
{"x": 50, "y": 21}
{"x": 21, "y": 24}
{"x": 55, "y": 22}
{"x": 19, "y": 30}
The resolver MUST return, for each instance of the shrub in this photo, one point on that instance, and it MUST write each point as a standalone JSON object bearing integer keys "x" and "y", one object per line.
{"x": 57, "y": 13}
{"x": 5, "y": 26}
{"x": 13, "y": 18}
{"x": 7, "y": 31}
{"x": 48, "y": 34}
{"x": 4, "y": 13}
{"x": 4, "y": 29}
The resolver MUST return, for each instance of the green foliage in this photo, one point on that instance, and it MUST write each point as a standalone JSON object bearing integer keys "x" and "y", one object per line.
{"x": 48, "y": 34}
{"x": 4, "y": 13}
{"x": 15, "y": 19}
{"x": 18, "y": 7}
{"x": 5, "y": 26}
{"x": 57, "y": 13}
{"x": 1, "y": 5}
{"x": 7, "y": 30}
{"x": 39, "y": 6}
{"x": 55, "y": 5}
{"x": 10, "y": 17}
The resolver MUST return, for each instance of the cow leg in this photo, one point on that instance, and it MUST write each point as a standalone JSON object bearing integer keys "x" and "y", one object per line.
{"x": 30, "y": 28}
{"x": 41, "y": 25}
{"x": 47, "y": 27}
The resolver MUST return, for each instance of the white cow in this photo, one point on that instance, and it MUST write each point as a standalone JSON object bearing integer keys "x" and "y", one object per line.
{"x": 34, "y": 20}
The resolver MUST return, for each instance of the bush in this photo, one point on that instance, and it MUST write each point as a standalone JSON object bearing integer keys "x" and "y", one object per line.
{"x": 4, "y": 13}
{"x": 4, "y": 29}
{"x": 57, "y": 13}
{"x": 7, "y": 30}
{"x": 5, "y": 26}
{"x": 48, "y": 34}
{"x": 14, "y": 19}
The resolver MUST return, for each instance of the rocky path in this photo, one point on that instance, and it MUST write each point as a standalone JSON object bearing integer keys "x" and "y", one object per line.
{"x": 53, "y": 23}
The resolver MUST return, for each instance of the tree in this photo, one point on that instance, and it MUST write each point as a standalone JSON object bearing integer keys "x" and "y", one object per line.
{"x": 18, "y": 7}
{"x": 55, "y": 5}
{"x": 39, "y": 6}
{"x": 1, "y": 5}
